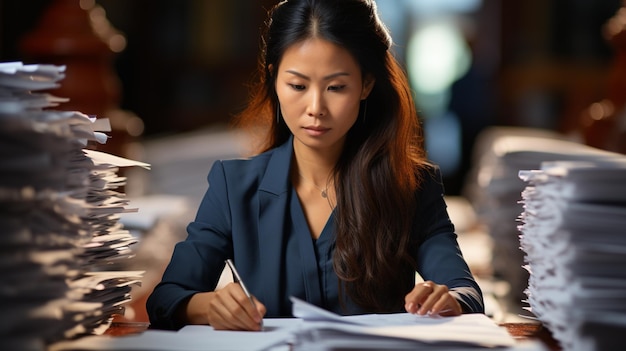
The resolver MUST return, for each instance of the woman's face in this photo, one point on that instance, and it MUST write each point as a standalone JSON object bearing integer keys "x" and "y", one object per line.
{"x": 319, "y": 87}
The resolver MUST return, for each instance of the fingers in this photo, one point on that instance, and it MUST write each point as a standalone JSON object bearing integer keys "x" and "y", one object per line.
{"x": 261, "y": 310}
{"x": 418, "y": 296}
{"x": 447, "y": 305}
{"x": 432, "y": 299}
{"x": 231, "y": 309}
{"x": 244, "y": 309}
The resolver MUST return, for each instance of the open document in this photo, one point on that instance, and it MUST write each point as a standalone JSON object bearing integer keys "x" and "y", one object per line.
{"x": 324, "y": 330}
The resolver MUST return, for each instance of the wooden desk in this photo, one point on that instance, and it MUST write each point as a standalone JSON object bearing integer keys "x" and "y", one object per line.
{"x": 525, "y": 331}
{"x": 520, "y": 331}
{"x": 126, "y": 328}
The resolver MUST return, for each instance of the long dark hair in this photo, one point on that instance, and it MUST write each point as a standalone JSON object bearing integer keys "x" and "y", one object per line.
{"x": 378, "y": 171}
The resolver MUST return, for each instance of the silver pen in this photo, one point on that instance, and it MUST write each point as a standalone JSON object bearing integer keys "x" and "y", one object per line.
{"x": 231, "y": 265}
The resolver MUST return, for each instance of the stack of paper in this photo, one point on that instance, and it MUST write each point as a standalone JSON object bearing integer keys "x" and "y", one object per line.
{"x": 59, "y": 213}
{"x": 494, "y": 189}
{"x": 574, "y": 238}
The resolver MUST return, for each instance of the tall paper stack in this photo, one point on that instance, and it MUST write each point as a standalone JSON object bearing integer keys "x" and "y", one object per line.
{"x": 494, "y": 190}
{"x": 573, "y": 233}
{"x": 59, "y": 211}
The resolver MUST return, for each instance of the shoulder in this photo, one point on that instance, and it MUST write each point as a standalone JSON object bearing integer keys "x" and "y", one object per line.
{"x": 244, "y": 168}
{"x": 430, "y": 192}
{"x": 429, "y": 178}
{"x": 267, "y": 171}
{"x": 259, "y": 161}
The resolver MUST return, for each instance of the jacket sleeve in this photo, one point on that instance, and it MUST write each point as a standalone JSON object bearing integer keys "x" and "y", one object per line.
{"x": 197, "y": 262}
{"x": 439, "y": 257}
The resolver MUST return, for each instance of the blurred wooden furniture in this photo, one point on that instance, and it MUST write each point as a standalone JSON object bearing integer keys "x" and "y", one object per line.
{"x": 77, "y": 34}
{"x": 603, "y": 123}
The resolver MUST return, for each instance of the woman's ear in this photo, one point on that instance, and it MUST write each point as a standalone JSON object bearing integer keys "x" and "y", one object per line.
{"x": 368, "y": 85}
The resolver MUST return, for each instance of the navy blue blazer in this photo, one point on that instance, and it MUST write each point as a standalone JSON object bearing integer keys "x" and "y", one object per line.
{"x": 251, "y": 213}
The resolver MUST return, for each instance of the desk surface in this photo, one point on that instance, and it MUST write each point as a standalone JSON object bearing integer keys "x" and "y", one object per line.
{"x": 520, "y": 331}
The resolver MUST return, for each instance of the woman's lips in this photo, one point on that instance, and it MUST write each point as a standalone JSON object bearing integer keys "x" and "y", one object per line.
{"x": 316, "y": 131}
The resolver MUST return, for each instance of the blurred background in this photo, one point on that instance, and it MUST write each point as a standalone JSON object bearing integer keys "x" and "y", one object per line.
{"x": 170, "y": 75}
{"x": 183, "y": 65}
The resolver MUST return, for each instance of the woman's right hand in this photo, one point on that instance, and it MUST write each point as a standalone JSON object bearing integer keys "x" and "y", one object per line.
{"x": 226, "y": 309}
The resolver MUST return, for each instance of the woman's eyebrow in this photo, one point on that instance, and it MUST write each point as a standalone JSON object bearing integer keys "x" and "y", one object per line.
{"x": 328, "y": 77}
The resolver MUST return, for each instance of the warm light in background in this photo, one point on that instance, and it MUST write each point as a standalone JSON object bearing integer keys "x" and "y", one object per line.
{"x": 115, "y": 40}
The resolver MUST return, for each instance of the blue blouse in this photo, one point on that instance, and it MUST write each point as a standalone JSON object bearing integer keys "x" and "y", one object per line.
{"x": 319, "y": 284}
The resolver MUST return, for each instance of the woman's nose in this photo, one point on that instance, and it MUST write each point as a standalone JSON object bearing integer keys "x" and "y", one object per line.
{"x": 317, "y": 105}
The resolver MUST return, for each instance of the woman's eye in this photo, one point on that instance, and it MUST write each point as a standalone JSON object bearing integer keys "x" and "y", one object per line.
{"x": 298, "y": 87}
{"x": 336, "y": 87}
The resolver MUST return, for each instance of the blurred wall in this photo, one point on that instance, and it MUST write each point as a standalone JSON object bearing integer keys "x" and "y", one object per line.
{"x": 535, "y": 63}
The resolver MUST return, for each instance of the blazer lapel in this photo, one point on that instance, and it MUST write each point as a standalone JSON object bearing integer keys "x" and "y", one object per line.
{"x": 273, "y": 202}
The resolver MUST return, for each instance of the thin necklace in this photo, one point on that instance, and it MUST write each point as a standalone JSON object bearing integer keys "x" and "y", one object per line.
{"x": 323, "y": 192}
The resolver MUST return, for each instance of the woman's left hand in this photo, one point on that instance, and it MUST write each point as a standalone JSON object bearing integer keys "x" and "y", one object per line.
{"x": 432, "y": 299}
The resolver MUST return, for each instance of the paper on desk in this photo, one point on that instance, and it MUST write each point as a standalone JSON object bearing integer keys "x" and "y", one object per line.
{"x": 469, "y": 329}
{"x": 310, "y": 312}
{"x": 329, "y": 335}
{"x": 191, "y": 338}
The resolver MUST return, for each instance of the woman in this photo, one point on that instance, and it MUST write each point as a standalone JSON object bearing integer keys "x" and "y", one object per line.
{"x": 340, "y": 207}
